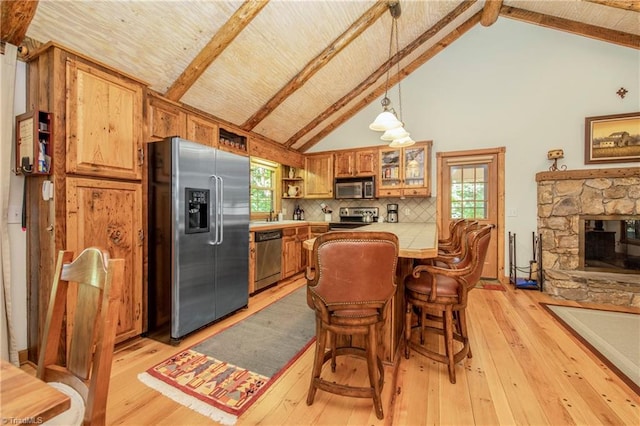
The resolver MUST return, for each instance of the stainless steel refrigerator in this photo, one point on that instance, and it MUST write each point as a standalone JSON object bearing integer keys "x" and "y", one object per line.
{"x": 198, "y": 212}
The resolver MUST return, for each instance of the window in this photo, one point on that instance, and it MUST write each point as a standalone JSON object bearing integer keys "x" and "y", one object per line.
{"x": 263, "y": 188}
{"x": 468, "y": 191}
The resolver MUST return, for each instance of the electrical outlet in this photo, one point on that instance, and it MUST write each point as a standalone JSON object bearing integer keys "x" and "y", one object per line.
{"x": 512, "y": 212}
{"x": 407, "y": 211}
{"x": 14, "y": 214}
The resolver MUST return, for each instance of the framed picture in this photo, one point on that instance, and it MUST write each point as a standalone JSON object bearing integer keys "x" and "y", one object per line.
{"x": 612, "y": 138}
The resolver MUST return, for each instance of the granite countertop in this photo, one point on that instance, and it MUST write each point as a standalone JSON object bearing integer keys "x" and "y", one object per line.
{"x": 417, "y": 240}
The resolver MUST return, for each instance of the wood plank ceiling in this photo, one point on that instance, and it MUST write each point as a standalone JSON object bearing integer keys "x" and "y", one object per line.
{"x": 288, "y": 71}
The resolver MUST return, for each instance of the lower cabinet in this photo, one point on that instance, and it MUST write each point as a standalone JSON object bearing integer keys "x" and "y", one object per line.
{"x": 108, "y": 214}
{"x": 294, "y": 257}
{"x": 315, "y": 230}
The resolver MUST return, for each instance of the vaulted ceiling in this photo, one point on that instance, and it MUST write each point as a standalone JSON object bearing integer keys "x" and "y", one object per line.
{"x": 289, "y": 71}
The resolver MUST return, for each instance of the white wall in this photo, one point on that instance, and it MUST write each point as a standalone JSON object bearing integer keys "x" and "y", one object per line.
{"x": 512, "y": 84}
{"x": 17, "y": 237}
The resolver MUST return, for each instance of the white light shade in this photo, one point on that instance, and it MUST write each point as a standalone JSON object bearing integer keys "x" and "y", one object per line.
{"x": 393, "y": 134}
{"x": 402, "y": 142}
{"x": 384, "y": 121}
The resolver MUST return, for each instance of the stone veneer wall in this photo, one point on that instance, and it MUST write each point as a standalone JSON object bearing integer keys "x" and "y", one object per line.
{"x": 562, "y": 197}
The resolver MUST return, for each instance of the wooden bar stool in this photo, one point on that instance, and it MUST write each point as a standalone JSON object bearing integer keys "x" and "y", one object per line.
{"x": 350, "y": 287}
{"x": 432, "y": 289}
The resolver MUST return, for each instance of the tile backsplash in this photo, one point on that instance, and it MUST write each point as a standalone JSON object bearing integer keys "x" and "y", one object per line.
{"x": 409, "y": 209}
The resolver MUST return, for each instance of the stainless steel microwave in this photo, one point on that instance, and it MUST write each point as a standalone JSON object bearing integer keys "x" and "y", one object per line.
{"x": 350, "y": 188}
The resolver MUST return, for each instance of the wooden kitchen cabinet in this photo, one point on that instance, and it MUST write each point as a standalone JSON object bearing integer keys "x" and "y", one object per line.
{"x": 202, "y": 131}
{"x": 108, "y": 214}
{"x": 103, "y": 123}
{"x": 405, "y": 172}
{"x": 362, "y": 162}
{"x": 316, "y": 230}
{"x": 96, "y": 171}
{"x": 318, "y": 175}
{"x": 167, "y": 119}
{"x": 294, "y": 257}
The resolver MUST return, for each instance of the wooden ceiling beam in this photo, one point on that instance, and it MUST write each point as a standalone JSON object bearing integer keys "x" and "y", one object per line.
{"x": 490, "y": 12}
{"x": 574, "y": 27}
{"x": 357, "y": 28}
{"x": 415, "y": 64}
{"x": 620, "y": 4}
{"x": 16, "y": 17}
{"x": 218, "y": 43}
{"x": 382, "y": 70}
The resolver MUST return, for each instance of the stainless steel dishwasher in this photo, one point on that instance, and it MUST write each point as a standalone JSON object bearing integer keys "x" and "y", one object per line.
{"x": 268, "y": 258}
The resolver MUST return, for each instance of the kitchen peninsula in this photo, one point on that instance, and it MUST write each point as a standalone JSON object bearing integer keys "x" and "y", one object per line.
{"x": 417, "y": 240}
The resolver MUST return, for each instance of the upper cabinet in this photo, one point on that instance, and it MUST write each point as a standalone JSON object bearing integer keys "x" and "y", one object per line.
{"x": 104, "y": 123}
{"x": 166, "y": 120}
{"x": 319, "y": 175}
{"x": 202, "y": 131}
{"x": 405, "y": 172}
{"x": 362, "y": 162}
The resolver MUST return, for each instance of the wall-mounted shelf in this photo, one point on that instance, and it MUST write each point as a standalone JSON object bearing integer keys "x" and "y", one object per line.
{"x": 291, "y": 177}
{"x": 231, "y": 141}
{"x": 34, "y": 134}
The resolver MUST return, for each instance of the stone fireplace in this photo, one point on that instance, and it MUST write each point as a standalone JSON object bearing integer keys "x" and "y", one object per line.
{"x": 569, "y": 203}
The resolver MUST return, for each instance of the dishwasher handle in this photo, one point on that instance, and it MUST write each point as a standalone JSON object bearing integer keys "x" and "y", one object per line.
{"x": 275, "y": 234}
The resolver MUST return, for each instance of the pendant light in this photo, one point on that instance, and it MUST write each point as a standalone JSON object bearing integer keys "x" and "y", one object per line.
{"x": 388, "y": 120}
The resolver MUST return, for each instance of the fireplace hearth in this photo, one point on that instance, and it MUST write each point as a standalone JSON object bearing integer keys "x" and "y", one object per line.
{"x": 588, "y": 219}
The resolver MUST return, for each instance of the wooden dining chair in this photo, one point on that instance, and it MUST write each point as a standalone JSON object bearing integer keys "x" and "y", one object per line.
{"x": 351, "y": 285}
{"x": 439, "y": 295}
{"x": 86, "y": 295}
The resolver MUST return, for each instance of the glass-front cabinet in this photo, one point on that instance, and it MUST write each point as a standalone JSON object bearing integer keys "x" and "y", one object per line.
{"x": 405, "y": 172}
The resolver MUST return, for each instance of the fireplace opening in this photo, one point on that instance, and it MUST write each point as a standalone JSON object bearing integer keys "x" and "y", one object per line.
{"x": 610, "y": 243}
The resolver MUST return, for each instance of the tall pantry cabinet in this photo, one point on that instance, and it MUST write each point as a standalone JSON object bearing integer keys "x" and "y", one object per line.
{"x": 97, "y": 176}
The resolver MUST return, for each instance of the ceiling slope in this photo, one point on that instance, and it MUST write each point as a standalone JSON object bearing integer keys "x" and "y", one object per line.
{"x": 287, "y": 71}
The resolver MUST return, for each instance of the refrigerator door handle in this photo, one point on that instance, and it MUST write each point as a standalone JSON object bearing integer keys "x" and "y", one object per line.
{"x": 220, "y": 212}
{"x": 213, "y": 212}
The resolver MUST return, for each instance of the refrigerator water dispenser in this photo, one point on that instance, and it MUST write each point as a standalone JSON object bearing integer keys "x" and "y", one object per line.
{"x": 197, "y": 210}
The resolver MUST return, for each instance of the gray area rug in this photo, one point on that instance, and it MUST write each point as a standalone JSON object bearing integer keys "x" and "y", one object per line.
{"x": 613, "y": 336}
{"x": 268, "y": 340}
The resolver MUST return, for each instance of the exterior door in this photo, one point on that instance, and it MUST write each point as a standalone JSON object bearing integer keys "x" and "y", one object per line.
{"x": 471, "y": 186}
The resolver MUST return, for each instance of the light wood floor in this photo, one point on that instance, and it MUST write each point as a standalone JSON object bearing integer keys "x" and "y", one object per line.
{"x": 526, "y": 370}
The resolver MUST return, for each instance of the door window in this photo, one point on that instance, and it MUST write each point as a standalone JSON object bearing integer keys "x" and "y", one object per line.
{"x": 468, "y": 193}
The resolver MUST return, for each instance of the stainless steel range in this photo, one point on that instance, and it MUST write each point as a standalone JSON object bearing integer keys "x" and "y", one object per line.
{"x": 355, "y": 217}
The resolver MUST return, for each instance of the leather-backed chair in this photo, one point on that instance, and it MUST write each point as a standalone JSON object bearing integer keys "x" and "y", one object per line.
{"x": 85, "y": 300}
{"x": 351, "y": 285}
{"x": 454, "y": 239}
{"x": 432, "y": 289}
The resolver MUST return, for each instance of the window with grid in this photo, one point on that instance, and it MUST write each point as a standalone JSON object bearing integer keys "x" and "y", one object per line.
{"x": 263, "y": 188}
{"x": 469, "y": 191}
